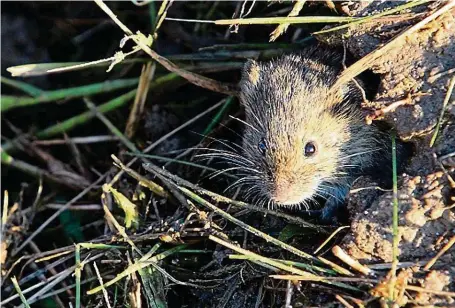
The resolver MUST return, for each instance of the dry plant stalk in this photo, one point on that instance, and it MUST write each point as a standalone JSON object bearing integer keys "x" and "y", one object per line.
{"x": 343, "y": 301}
{"x": 343, "y": 256}
{"x": 440, "y": 253}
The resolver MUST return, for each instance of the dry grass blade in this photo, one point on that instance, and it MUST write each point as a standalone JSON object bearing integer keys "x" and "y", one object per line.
{"x": 111, "y": 219}
{"x": 5, "y": 209}
{"x": 29, "y": 70}
{"x": 57, "y": 279}
{"x": 283, "y": 27}
{"x": 370, "y": 59}
{"x": 128, "y": 207}
{"x": 100, "y": 279}
{"x": 281, "y": 20}
{"x": 437, "y": 292}
{"x": 76, "y": 140}
{"x": 110, "y": 126}
{"x": 444, "y": 105}
{"x": 343, "y": 301}
{"x": 196, "y": 79}
{"x": 137, "y": 110}
{"x": 304, "y": 266}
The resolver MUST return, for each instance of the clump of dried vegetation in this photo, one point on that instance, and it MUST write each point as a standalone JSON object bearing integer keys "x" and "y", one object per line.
{"x": 128, "y": 218}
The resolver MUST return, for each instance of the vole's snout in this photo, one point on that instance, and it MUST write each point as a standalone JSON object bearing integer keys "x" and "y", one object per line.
{"x": 287, "y": 193}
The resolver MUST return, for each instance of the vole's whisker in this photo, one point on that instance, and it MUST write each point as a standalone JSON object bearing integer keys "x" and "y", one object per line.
{"x": 234, "y": 168}
{"x": 359, "y": 153}
{"x": 255, "y": 117}
{"x": 269, "y": 203}
{"x": 248, "y": 124}
{"x": 349, "y": 166}
{"x": 225, "y": 143}
{"x": 325, "y": 193}
{"x": 242, "y": 181}
{"x": 226, "y": 157}
{"x": 233, "y": 162}
{"x": 226, "y": 153}
{"x": 250, "y": 191}
{"x": 231, "y": 130}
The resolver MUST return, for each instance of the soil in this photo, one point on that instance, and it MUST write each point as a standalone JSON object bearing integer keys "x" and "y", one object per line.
{"x": 419, "y": 69}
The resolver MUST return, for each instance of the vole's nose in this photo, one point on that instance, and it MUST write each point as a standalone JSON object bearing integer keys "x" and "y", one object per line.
{"x": 285, "y": 193}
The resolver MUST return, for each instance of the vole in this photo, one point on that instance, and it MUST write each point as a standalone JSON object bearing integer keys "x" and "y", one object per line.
{"x": 300, "y": 141}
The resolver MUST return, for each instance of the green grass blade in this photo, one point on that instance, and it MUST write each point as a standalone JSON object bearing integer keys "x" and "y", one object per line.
{"x": 75, "y": 121}
{"x": 18, "y": 290}
{"x": 23, "y": 86}
{"x": 77, "y": 275}
{"x": 394, "y": 220}
{"x": 11, "y": 102}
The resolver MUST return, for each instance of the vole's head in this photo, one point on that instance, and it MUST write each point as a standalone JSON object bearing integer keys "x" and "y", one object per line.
{"x": 295, "y": 130}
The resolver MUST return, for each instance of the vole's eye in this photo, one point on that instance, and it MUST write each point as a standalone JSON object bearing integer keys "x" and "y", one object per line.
{"x": 262, "y": 146}
{"x": 310, "y": 149}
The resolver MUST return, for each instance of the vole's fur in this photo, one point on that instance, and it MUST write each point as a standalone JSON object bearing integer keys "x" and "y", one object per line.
{"x": 287, "y": 105}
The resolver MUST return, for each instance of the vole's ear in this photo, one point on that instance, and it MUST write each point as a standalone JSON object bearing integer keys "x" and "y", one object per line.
{"x": 251, "y": 72}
